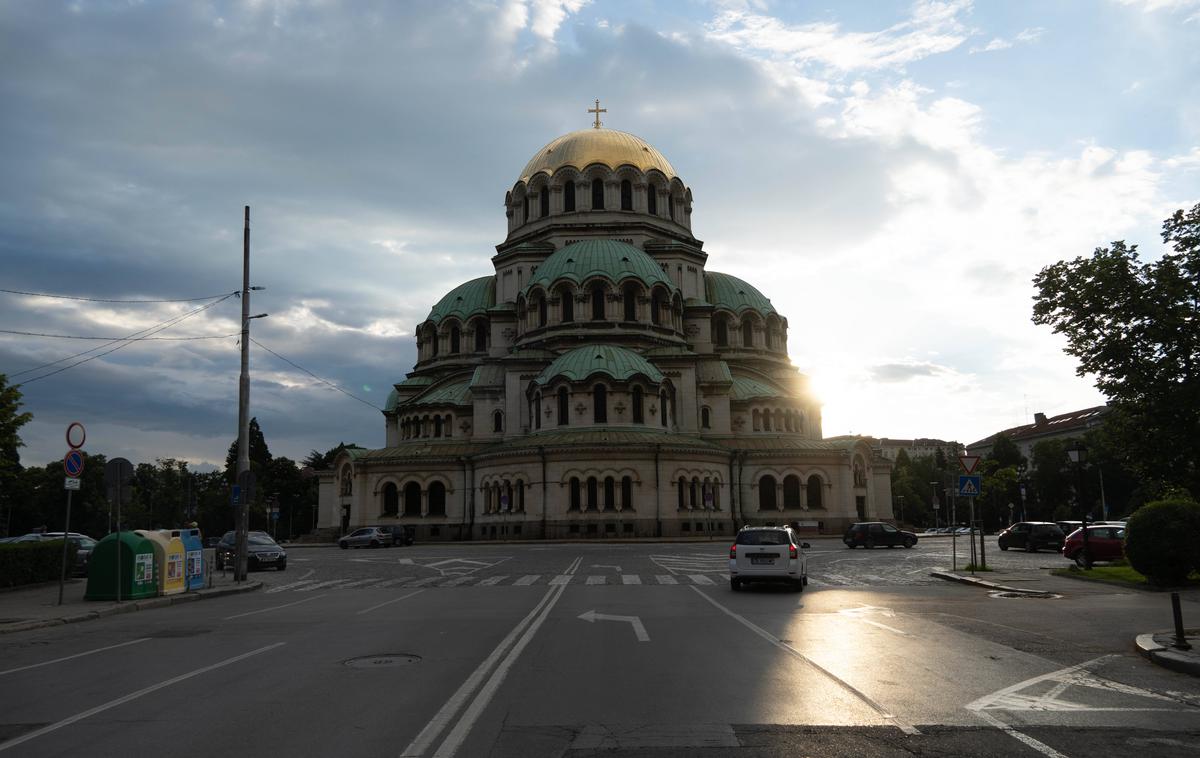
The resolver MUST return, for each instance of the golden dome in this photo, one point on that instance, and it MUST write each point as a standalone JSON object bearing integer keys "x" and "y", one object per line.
{"x": 587, "y": 146}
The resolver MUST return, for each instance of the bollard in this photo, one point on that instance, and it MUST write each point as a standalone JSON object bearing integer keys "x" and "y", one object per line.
{"x": 1181, "y": 642}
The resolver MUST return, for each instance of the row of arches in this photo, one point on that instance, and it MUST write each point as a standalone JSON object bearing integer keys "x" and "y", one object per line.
{"x": 450, "y": 337}
{"x": 504, "y": 496}
{"x": 777, "y": 420}
{"x": 598, "y": 189}
{"x": 436, "y": 425}
{"x": 789, "y": 494}
{"x": 416, "y": 502}
{"x": 559, "y": 409}
{"x": 600, "y": 300}
{"x": 707, "y": 490}
{"x": 595, "y": 494}
{"x": 750, "y": 332}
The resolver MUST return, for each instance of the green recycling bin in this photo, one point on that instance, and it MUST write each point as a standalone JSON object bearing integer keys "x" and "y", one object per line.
{"x": 138, "y": 574}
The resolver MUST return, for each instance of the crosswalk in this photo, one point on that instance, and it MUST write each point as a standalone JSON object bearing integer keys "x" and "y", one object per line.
{"x": 706, "y": 579}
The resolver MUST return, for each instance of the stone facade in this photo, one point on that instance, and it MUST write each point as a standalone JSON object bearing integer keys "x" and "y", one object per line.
{"x": 602, "y": 383}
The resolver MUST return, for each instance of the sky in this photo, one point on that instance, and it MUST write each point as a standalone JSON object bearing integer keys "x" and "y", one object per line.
{"x": 892, "y": 175}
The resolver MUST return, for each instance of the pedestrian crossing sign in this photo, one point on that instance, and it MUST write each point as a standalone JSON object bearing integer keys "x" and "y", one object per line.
{"x": 969, "y": 486}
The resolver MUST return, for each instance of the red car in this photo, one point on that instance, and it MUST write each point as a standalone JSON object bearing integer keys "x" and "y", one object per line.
{"x": 1106, "y": 543}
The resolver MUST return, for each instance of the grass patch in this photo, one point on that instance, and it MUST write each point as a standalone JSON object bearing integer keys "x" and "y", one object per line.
{"x": 1121, "y": 574}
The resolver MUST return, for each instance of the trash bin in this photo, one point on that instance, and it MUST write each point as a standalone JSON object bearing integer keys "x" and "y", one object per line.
{"x": 193, "y": 549}
{"x": 137, "y": 575}
{"x": 168, "y": 555}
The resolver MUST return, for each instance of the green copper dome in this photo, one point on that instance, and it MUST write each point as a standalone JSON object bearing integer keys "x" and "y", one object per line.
{"x": 466, "y": 300}
{"x": 745, "y": 388}
{"x": 612, "y": 361}
{"x": 725, "y": 291}
{"x": 613, "y": 260}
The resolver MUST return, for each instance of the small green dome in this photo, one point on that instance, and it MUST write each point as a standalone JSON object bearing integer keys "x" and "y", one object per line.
{"x": 466, "y": 300}
{"x": 745, "y": 388}
{"x": 725, "y": 291}
{"x": 613, "y": 260}
{"x": 612, "y": 361}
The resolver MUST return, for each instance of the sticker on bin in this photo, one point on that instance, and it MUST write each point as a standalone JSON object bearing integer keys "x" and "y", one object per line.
{"x": 195, "y": 563}
{"x": 174, "y": 566}
{"x": 143, "y": 569}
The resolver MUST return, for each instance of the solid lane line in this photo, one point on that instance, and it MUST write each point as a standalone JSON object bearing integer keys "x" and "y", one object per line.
{"x": 276, "y": 607}
{"x": 902, "y": 725}
{"x": 389, "y": 602}
{"x": 69, "y": 657}
{"x": 1041, "y": 747}
{"x": 131, "y": 696}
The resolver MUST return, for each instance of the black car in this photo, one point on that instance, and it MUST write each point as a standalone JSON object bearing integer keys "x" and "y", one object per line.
{"x": 877, "y": 533}
{"x": 1032, "y": 536}
{"x": 261, "y": 551}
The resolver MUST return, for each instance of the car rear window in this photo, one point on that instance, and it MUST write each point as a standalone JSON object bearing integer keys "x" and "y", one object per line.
{"x": 763, "y": 537}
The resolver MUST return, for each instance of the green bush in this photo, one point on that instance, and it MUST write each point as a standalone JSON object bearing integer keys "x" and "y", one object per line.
{"x": 29, "y": 562}
{"x": 1162, "y": 540}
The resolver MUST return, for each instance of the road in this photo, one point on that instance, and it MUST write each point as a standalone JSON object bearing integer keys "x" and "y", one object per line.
{"x": 607, "y": 649}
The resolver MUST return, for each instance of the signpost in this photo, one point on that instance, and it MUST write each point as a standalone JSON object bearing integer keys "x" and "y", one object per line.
{"x": 118, "y": 473}
{"x": 970, "y": 485}
{"x": 73, "y": 466}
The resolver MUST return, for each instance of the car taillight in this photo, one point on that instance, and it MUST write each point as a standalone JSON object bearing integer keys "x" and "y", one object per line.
{"x": 733, "y": 552}
{"x": 792, "y": 551}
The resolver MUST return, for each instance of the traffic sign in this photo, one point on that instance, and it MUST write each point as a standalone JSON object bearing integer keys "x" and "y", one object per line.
{"x": 73, "y": 463}
{"x": 117, "y": 474}
{"x": 236, "y": 495}
{"x": 969, "y": 463}
{"x": 969, "y": 486}
{"x": 76, "y": 435}
{"x": 71, "y": 483}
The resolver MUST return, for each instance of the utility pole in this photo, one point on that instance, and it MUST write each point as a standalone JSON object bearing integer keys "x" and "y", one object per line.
{"x": 241, "y": 520}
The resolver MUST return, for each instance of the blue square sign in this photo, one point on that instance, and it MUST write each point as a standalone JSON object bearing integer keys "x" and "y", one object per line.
{"x": 969, "y": 486}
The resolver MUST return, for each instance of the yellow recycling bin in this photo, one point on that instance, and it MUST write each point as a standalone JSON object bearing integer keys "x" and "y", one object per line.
{"x": 169, "y": 554}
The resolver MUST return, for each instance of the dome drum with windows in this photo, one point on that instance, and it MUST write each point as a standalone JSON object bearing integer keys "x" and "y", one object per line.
{"x": 600, "y": 381}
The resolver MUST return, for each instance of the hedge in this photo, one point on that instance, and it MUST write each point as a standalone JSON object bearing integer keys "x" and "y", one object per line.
{"x": 30, "y": 562}
{"x": 1162, "y": 540}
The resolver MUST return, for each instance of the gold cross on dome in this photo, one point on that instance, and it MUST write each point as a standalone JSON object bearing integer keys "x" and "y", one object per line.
{"x": 597, "y": 110}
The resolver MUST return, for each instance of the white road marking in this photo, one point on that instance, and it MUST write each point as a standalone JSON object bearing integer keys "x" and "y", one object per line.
{"x": 76, "y": 655}
{"x": 902, "y": 725}
{"x": 630, "y": 579}
{"x": 666, "y": 579}
{"x": 274, "y": 607}
{"x": 597, "y": 579}
{"x": 322, "y": 585}
{"x": 389, "y": 602}
{"x": 1041, "y": 747}
{"x": 492, "y": 580}
{"x": 456, "y": 581}
{"x": 390, "y": 582}
{"x": 359, "y": 583}
{"x": 639, "y": 630}
{"x": 606, "y": 566}
{"x": 1081, "y": 675}
{"x": 560, "y": 579}
{"x": 701, "y": 579}
{"x": 292, "y": 586}
{"x": 425, "y": 582}
{"x": 131, "y": 696}
{"x": 527, "y": 580}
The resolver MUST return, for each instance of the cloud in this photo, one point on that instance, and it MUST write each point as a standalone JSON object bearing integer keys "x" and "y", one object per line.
{"x": 1024, "y": 37}
{"x": 894, "y": 373}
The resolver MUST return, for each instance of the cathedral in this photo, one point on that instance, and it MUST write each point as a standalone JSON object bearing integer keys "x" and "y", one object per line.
{"x": 601, "y": 382}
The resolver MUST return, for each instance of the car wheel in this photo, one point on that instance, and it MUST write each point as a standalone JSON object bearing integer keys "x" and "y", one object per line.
{"x": 798, "y": 585}
{"x": 869, "y": 544}
{"x": 1079, "y": 560}
{"x": 281, "y": 567}
{"x": 1030, "y": 548}
{"x": 343, "y": 545}
{"x": 805, "y": 580}
{"x": 908, "y": 544}
{"x": 374, "y": 544}
{"x": 1004, "y": 546}
{"x": 735, "y": 585}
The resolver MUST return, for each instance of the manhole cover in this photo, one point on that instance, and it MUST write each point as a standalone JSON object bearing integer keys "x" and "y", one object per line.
{"x": 1016, "y": 595}
{"x": 383, "y": 660}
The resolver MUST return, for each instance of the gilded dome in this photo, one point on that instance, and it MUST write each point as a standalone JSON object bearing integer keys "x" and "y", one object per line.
{"x": 587, "y": 146}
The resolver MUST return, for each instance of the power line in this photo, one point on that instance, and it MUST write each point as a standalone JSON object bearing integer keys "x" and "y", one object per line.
{"x": 118, "y": 339}
{"x": 108, "y": 300}
{"x": 137, "y": 336}
{"x": 314, "y": 376}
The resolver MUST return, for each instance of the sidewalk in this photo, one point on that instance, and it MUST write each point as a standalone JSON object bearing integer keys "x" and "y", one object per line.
{"x": 37, "y": 606}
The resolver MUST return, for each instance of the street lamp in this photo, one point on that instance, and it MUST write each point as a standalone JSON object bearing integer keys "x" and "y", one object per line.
{"x": 901, "y": 499}
{"x": 1077, "y": 452}
{"x": 935, "y": 486}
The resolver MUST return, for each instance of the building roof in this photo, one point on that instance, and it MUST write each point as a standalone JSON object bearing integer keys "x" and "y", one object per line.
{"x": 466, "y": 300}
{"x": 613, "y": 260}
{"x": 725, "y": 291}
{"x": 582, "y": 148}
{"x": 488, "y": 375}
{"x": 393, "y": 400}
{"x": 609, "y": 437}
{"x": 745, "y": 388}
{"x": 1066, "y": 424}
{"x": 713, "y": 372}
{"x": 612, "y": 361}
{"x": 450, "y": 393}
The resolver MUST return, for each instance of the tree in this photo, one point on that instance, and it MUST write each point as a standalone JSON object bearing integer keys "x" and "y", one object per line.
{"x": 1135, "y": 327}
{"x": 11, "y": 421}
{"x": 1005, "y": 452}
{"x": 260, "y": 454}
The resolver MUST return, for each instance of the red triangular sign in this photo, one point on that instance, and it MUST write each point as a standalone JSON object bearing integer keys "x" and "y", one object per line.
{"x": 969, "y": 463}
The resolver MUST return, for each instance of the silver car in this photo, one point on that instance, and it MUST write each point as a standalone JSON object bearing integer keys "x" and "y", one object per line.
{"x": 768, "y": 554}
{"x": 368, "y": 536}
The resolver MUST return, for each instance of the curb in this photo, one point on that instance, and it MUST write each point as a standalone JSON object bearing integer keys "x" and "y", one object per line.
{"x": 131, "y": 606}
{"x": 950, "y": 577}
{"x": 1184, "y": 663}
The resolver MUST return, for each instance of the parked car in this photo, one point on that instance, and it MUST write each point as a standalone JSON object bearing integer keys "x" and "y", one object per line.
{"x": 1069, "y": 527}
{"x": 367, "y": 536}
{"x": 1106, "y": 543}
{"x": 261, "y": 551}
{"x": 83, "y": 545}
{"x": 1032, "y": 536}
{"x": 877, "y": 533}
{"x": 932, "y": 530}
{"x": 767, "y": 554}
{"x": 400, "y": 535}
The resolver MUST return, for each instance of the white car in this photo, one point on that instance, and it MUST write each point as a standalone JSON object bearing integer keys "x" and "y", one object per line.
{"x": 768, "y": 554}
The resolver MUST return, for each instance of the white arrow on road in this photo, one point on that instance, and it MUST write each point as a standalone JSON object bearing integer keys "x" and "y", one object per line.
{"x": 638, "y": 629}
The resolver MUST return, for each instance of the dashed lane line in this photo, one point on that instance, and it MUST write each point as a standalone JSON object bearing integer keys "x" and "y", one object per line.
{"x": 666, "y": 579}
{"x": 630, "y": 579}
{"x": 527, "y": 580}
{"x": 492, "y": 580}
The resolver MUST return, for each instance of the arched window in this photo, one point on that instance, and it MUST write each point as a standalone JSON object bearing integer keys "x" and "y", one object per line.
{"x": 536, "y": 411}
{"x": 681, "y": 484}
{"x": 814, "y": 492}
{"x": 544, "y": 202}
{"x": 437, "y": 426}
{"x": 564, "y": 415}
{"x": 747, "y": 333}
{"x": 778, "y": 420}
{"x": 433, "y": 339}
{"x": 629, "y": 301}
{"x": 656, "y": 307}
{"x": 597, "y": 195}
{"x": 497, "y": 421}
{"x": 519, "y": 505}
{"x": 592, "y": 493}
{"x": 652, "y": 199}
{"x": 692, "y": 493}
{"x": 638, "y": 401}
{"x": 391, "y": 500}
{"x": 569, "y": 197}
{"x": 766, "y": 421}
{"x": 766, "y": 494}
{"x": 481, "y": 335}
{"x": 599, "y": 404}
{"x": 525, "y": 210}
{"x": 568, "y": 305}
{"x": 412, "y": 499}
{"x": 671, "y": 206}
{"x": 626, "y": 493}
{"x": 449, "y": 425}
{"x": 722, "y": 332}
{"x": 705, "y": 419}
{"x": 757, "y": 420}
{"x": 597, "y": 302}
{"x": 506, "y": 499}
{"x": 437, "y": 499}
{"x": 542, "y": 311}
{"x": 626, "y": 195}
{"x": 574, "y": 504}
{"x": 455, "y": 339}
{"x": 662, "y": 407}
{"x": 791, "y": 491}
{"x": 610, "y": 494}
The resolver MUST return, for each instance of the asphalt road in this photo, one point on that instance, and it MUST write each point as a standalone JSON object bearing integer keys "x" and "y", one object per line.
{"x": 607, "y": 649}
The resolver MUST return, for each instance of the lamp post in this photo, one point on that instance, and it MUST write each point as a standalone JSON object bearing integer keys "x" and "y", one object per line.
{"x": 1077, "y": 452}
{"x": 900, "y": 498}
{"x": 935, "y": 486}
